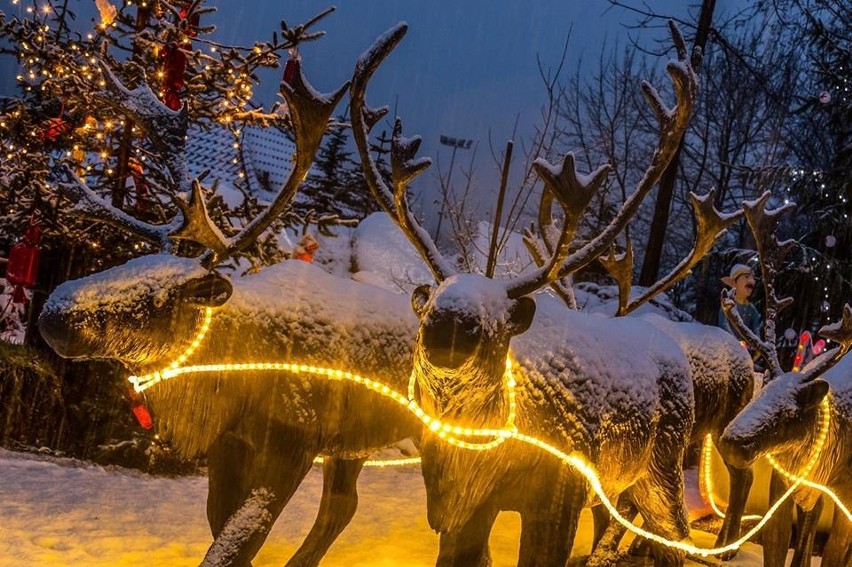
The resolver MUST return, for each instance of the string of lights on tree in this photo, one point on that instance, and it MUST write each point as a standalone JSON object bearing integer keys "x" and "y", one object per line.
{"x": 60, "y": 117}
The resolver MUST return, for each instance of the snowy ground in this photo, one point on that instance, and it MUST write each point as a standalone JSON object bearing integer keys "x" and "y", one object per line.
{"x": 63, "y": 512}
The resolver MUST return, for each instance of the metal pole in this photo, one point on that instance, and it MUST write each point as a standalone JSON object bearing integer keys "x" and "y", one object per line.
{"x": 492, "y": 249}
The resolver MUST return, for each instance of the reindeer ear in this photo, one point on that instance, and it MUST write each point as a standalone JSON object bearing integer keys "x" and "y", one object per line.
{"x": 522, "y": 314}
{"x": 419, "y": 298}
{"x": 812, "y": 394}
{"x": 211, "y": 290}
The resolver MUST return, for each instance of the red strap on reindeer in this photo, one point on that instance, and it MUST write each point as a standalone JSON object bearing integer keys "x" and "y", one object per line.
{"x": 140, "y": 410}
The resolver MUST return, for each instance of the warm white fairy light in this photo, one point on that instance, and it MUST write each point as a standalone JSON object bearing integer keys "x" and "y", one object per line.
{"x": 453, "y": 433}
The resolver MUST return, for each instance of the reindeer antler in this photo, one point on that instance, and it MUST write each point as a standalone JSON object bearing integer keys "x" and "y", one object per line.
{"x": 841, "y": 333}
{"x": 673, "y": 124}
{"x": 404, "y": 166}
{"x": 763, "y": 223}
{"x": 710, "y": 224}
{"x": 309, "y": 112}
{"x": 542, "y": 246}
{"x": 574, "y": 191}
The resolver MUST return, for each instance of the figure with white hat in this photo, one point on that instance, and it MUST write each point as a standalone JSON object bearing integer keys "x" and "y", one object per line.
{"x": 741, "y": 281}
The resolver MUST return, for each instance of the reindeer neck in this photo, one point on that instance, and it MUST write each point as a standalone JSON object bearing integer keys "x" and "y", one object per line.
{"x": 796, "y": 458}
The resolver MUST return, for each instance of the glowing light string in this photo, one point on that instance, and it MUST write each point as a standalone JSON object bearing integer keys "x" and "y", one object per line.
{"x": 705, "y": 484}
{"x": 450, "y": 433}
{"x": 706, "y": 480}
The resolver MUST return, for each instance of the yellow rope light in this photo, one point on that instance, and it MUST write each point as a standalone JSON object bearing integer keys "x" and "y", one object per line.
{"x": 706, "y": 480}
{"x": 706, "y": 485}
{"x": 451, "y": 433}
{"x": 382, "y": 463}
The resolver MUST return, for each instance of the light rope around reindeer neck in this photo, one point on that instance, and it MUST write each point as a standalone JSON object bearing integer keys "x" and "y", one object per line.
{"x": 452, "y": 433}
{"x": 706, "y": 485}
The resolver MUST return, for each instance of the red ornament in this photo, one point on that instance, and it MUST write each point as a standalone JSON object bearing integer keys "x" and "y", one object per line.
{"x": 23, "y": 259}
{"x": 140, "y": 410}
{"x": 139, "y": 183}
{"x": 53, "y": 128}
{"x": 291, "y": 67}
{"x": 174, "y": 72}
{"x": 143, "y": 416}
{"x": 193, "y": 22}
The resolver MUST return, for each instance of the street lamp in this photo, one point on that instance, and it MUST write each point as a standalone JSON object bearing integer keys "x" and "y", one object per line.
{"x": 454, "y": 143}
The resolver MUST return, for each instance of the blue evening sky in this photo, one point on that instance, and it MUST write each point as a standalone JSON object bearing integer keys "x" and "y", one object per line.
{"x": 466, "y": 67}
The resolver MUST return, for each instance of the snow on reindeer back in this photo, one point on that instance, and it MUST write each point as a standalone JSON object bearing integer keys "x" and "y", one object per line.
{"x": 297, "y": 290}
{"x": 124, "y": 286}
{"x": 601, "y": 360}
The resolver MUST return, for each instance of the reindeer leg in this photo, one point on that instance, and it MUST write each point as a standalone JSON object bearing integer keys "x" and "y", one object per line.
{"x": 777, "y": 532}
{"x": 741, "y": 480}
{"x": 605, "y": 553}
{"x": 839, "y": 541}
{"x": 660, "y": 501}
{"x": 600, "y": 516}
{"x": 228, "y": 460}
{"x": 268, "y": 481}
{"x": 469, "y": 546}
{"x": 337, "y": 507}
{"x": 547, "y": 533}
{"x": 807, "y": 532}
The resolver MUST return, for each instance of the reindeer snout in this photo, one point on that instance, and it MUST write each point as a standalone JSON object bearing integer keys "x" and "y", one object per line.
{"x": 735, "y": 452}
{"x": 57, "y": 333}
{"x": 447, "y": 345}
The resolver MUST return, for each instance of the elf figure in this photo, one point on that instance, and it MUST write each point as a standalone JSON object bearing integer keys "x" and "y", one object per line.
{"x": 741, "y": 281}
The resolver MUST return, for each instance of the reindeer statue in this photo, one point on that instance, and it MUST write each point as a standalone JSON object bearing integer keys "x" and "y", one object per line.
{"x": 721, "y": 370}
{"x": 261, "y": 430}
{"x": 782, "y": 420}
{"x": 617, "y": 392}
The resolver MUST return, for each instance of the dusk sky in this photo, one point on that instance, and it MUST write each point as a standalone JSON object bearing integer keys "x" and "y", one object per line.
{"x": 464, "y": 69}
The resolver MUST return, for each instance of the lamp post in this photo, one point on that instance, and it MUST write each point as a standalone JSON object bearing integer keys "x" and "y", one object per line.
{"x": 454, "y": 143}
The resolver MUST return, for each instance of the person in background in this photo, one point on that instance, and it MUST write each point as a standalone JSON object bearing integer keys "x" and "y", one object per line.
{"x": 741, "y": 281}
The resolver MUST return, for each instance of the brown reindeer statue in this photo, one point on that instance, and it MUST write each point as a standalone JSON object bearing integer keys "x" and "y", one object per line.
{"x": 783, "y": 419}
{"x": 261, "y": 430}
{"x": 616, "y": 391}
{"x": 721, "y": 370}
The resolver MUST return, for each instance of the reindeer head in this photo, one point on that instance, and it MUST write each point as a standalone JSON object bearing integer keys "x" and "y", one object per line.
{"x": 468, "y": 320}
{"x": 784, "y": 414}
{"x": 134, "y": 313}
{"x": 148, "y": 308}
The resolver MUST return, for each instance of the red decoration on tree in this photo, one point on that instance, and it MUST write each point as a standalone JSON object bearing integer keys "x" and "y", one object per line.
{"x": 139, "y": 183}
{"x": 23, "y": 259}
{"x": 292, "y": 66}
{"x": 53, "y": 128}
{"x": 174, "y": 72}
{"x": 191, "y": 25}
